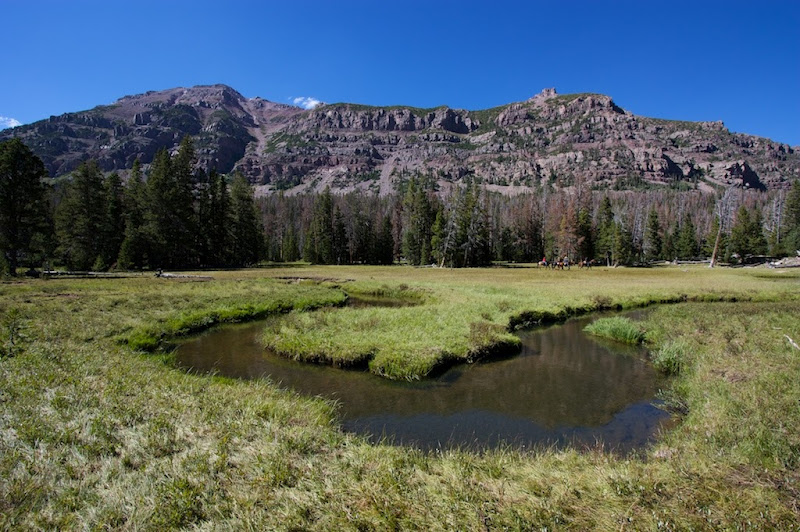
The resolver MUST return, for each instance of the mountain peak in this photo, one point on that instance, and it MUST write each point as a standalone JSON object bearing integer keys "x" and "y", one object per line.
{"x": 546, "y": 94}
{"x": 548, "y": 139}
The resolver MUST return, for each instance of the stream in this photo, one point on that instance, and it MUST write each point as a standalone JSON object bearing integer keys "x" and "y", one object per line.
{"x": 564, "y": 388}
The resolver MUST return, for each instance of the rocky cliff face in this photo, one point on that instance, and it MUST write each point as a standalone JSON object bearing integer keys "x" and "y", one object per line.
{"x": 222, "y": 122}
{"x": 549, "y": 138}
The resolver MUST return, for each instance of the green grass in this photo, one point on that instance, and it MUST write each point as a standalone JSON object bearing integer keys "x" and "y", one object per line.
{"x": 670, "y": 357}
{"x": 617, "y": 328}
{"x": 469, "y": 314}
{"x": 94, "y": 435}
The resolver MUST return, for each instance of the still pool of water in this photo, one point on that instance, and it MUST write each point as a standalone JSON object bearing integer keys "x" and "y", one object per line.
{"x": 563, "y": 388}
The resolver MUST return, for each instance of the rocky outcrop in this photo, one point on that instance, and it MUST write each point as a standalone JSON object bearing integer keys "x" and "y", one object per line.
{"x": 549, "y": 138}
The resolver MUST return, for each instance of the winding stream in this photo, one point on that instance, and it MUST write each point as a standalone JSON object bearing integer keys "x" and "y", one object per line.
{"x": 563, "y": 388}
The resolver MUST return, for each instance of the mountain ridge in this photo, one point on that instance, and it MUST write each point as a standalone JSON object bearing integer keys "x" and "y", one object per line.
{"x": 549, "y": 138}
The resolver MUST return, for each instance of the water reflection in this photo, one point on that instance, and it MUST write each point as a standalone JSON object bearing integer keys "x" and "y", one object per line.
{"x": 564, "y": 388}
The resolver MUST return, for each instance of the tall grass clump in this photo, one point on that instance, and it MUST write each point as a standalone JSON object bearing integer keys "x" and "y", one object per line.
{"x": 669, "y": 358}
{"x": 617, "y": 328}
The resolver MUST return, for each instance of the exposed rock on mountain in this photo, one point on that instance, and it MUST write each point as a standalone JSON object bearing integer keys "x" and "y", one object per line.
{"x": 550, "y": 137}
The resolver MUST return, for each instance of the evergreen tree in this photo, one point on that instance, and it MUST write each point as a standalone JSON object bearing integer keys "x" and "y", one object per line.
{"x": 530, "y": 238}
{"x": 247, "y": 236}
{"x": 711, "y": 237}
{"x": 384, "y": 243}
{"x": 159, "y": 221}
{"x": 472, "y": 231}
{"x": 606, "y": 231}
{"x": 505, "y": 245}
{"x": 202, "y": 206}
{"x": 184, "y": 230}
{"x": 289, "y": 247}
{"x": 747, "y": 235}
{"x": 220, "y": 219}
{"x": 622, "y": 246}
{"x": 669, "y": 247}
{"x": 113, "y": 230}
{"x": 792, "y": 219}
{"x": 419, "y": 217}
{"x": 653, "y": 237}
{"x": 81, "y": 219}
{"x": 585, "y": 234}
{"x": 723, "y": 246}
{"x": 319, "y": 241}
{"x": 339, "y": 238}
{"x": 362, "y": 242}
{"x": 775, "y": 248}
{"x": 133, "y": 249}
{"x": 686, "y": 245}
{"x": 170, "y": 218}
{"x": 23, "y": 202}
{"x": 758, "y": 242}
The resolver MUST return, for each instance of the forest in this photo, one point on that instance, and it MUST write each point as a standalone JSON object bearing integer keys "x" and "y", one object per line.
{"x": 178, "y": 217}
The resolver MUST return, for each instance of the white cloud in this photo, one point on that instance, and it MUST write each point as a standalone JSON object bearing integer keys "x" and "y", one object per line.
{"x": 306, "y": 102}
{"x": 6, "y": 122}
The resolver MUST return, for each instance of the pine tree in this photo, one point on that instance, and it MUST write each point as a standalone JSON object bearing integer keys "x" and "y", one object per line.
{"x": 419, "y": 217}
{"x": 184, "y": 231}
{"x": 23, "y": 202}
{"x": 669, "y": 246}
{"x": 747, "y": 235}
{"x": 686, "y": 245}
{"x": 653, "y": 237}
{"x": 339, "y": 238}
{"x": 246, "y": 232}
{"x": 585, "y": 234}
{"x": 622, "y": 247}
{"x": 159, "y": 220}
{"x": 289, "y": 247}
{"x": 437, "y": 236}
{"x": 758, "y": 242}
{"x": 709, "y": 240}
{"x": 218, "y": 221}
{"x": 606, "y": 230}
{"x": 792, "y": 219}
{"x": 319, "y": 241}
{"x": 170, "y": 218}
{"x": 114, "y": 226}
{"x": 132, "y": 253}
{"x": 81, "y": 219}
{"x": 362, "y": 241}
{"x": 384, "y": 242}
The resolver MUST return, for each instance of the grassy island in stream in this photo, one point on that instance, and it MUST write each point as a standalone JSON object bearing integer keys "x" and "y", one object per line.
{"x": 95, "y": 434}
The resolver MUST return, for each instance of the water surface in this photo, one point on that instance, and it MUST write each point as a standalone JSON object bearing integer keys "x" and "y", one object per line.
{"x": 563, "y": 388}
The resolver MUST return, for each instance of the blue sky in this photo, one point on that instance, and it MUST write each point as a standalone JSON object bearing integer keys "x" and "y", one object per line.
{"x": 690, "y": 60}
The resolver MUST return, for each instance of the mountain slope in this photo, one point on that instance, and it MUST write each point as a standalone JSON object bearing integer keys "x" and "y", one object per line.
{"x": 549, "y": 138}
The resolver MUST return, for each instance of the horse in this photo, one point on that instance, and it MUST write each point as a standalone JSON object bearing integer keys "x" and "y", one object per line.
{"x": 586, "y": 263}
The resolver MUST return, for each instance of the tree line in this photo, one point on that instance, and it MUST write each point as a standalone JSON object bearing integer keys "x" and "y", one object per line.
{"x": 179, "y": 217}
{"x": 468, "y": 226}
{"x": 175, "y": 218}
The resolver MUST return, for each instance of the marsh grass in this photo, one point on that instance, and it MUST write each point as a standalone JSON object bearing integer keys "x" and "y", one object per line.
{"x": 618, "y": 328}
{"x": 96, "y": 436}
{"x": 466, "y": 315}
{"x": 669, "y": 358}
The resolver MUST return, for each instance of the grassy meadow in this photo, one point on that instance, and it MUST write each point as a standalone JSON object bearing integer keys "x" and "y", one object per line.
{"x": 99, "y": 431}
